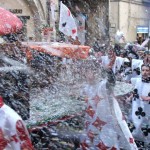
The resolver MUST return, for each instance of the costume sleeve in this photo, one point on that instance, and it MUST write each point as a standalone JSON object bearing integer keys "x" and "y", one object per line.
{"x": 3, "y": 140}
{"x": 133, "y": 81}
{"x": 136, "y": 63}
{"x": 107, "y": 84}
{"x": 105, "y": 61}
{"x": 119, "y": 63}
{"x": 111, "y": 79}
{"x": 23, "y": 136}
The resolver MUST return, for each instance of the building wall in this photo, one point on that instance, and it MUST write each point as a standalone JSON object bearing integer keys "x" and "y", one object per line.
{"x": 139, "y": 18}
{"x": 35, "y": 9}
{"x": 113, "y": 18}
{"x": 127, "y": 15}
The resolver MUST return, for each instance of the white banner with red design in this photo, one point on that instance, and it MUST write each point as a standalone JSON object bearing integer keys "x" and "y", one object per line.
{"x": 13, "y": 132}
{"x": 67, "y": 24}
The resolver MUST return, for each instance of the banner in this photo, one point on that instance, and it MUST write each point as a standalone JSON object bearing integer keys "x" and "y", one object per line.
{"x": 80, "y": 19}
{"x": 67, "y": 24}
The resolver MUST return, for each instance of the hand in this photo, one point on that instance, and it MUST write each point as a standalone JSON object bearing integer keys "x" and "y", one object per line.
{"x": 145, "y": 98}
{"x": 129, "y": 98}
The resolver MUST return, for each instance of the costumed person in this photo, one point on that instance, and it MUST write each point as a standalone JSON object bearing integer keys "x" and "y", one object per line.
{"x": 119, "y": 61}
{"x": 14, "y": 100}
{"x": 131, "y": 69}
{"x": 126, "y": 71}
{"x": 136, "y": 68}
{"x": 99, "y": 50}
{"x": 140, "y": 114}
{"x": 131, "y": 52}
{"x": 13, "y": 132}
{"x": 147, "y": 57}
{"x": 105, "y": 127}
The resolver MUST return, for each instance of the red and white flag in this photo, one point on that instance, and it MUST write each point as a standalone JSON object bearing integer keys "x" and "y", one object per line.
{"x": 67, "y": 24}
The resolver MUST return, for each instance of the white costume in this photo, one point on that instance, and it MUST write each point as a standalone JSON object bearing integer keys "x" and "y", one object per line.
{"x": 136, "y": 63}
{"x": 131, "y": 72}
{"x": 141, "y": 110}
{"x": 105, "y": 127}
{"x": 117, "y": 65}
{"x": 13, "y": 132}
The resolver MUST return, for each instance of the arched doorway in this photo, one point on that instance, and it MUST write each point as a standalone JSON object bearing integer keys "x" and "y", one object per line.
{"x": 30, "y": 12}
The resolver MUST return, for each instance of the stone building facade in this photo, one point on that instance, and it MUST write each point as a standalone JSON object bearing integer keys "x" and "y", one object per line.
{"x": 130, "y": 16}
{"x": 35, "y": 12}
{"x": 103, "y": 17}
{"x": 32, "y": 13}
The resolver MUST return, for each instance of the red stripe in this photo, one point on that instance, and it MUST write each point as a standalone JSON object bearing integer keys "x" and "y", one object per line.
{"x": 36, "y": 127}
{"x": 1, "y": 102}
{"x": 68, "y": 12}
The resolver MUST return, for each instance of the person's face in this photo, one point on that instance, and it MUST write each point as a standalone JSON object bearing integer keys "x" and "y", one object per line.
{"x": 145, "y": 71}
{"x": 98, "y": 54}
{"x": 121, "y": 55}
{"x": 148, "y": 57}
{"x": 110, "y": 53}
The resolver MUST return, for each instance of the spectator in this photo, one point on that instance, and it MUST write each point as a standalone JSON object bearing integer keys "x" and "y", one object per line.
{"x": 140, "y": 115}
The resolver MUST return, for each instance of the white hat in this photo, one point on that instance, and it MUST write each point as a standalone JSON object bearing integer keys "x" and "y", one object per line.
{"x": 126, "y": 60}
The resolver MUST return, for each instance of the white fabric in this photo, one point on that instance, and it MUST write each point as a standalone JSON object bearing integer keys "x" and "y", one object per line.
{"x": 138, "y": 120}
{"x": 69, "y": 28}
{"x": 7, "y": 125}
{"x": 119, "y": 35}
{"x": 112, "y": 131}
{"x": 117, "y": 65}
{"x": 131, "y": 55}
{"x": 8, "y": 120}
{"x": 128, "y": 76}
{"x": 145, "y": 42}
{"x": 136, "y": 63}
{"x": 119, "y": 62}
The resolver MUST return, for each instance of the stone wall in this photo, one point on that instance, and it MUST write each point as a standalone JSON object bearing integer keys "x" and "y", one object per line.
{"x": 36, "y": 11}
{"x": 127, "y": 15}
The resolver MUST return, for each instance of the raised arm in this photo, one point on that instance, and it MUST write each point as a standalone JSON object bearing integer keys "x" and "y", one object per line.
{"x": 111, "y": 79}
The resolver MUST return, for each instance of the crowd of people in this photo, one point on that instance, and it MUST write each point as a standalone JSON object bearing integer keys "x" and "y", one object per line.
{"x": 127, "y": 66}
{"x": 105, "y": 125}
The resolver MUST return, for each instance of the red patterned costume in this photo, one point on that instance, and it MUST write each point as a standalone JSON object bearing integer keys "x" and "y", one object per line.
{"x": 105, "y": 127}
{"x": 13, "y": 132}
